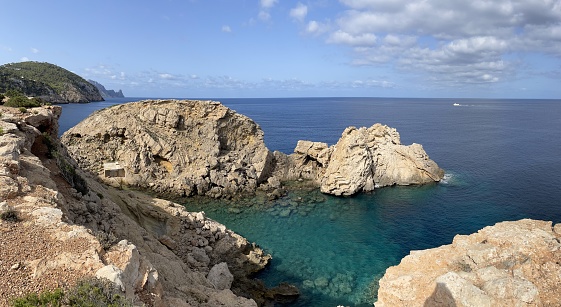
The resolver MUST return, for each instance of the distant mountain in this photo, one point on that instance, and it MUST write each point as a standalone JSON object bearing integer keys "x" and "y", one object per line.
{"x": 48, "y": 82}
{"x": 105, "y": 92}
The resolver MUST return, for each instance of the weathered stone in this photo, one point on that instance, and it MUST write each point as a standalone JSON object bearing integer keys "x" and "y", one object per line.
{"x": 181, "y": 147}
{"x": 509, "y": 264}
{"x": 220, "y": 277}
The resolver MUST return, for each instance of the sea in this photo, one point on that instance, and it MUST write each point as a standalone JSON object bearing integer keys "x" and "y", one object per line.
{"x": 502, "y": 159}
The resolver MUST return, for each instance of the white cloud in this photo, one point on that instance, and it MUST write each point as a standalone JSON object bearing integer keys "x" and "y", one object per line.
{"x": 267, "y": 4}
{"x": 315, "y": 27}
{"x": 226, "y": 29}
{"x": 453, "y": 42}
{"x": 299, "y": 12}
{"x": 34, "y": 50}
{"x": 341, "y": 37}
{"x": 24, "y": 59}
{"x": 167, "y": 76}
{"x": 264, "y": 16}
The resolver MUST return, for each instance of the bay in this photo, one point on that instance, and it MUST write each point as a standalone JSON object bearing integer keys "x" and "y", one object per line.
{"x": 502, "y": 160}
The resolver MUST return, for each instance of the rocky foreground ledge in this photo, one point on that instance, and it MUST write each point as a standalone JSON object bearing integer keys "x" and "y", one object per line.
{"x": 191, "y": 147}
{"x": 60, "y": 225}
{"x": 509, "y": 264}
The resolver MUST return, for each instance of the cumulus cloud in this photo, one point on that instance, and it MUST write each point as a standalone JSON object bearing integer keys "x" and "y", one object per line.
{"x": 363, "y": 39}
{"x": 267, "y": 4}
{"x": 299, "y": 12}
{"x": 24, "y": 59}
{"x": 453, "y": 41}
{"x": 226, "y": 29}
{"x": 34, "y": 50}
{"x": 316, "y": 28}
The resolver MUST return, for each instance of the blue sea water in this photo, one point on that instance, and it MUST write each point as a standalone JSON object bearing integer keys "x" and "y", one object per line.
{"x": 502, "y": 160}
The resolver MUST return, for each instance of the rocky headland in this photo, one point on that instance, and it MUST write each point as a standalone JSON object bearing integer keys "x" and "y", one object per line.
{"x": 508, "y": 264}
{"x": 60, "y": 225}
{"x": 189, "y": 147}
{"x": 105, "y": 93}
{"x": 48, "y": 82}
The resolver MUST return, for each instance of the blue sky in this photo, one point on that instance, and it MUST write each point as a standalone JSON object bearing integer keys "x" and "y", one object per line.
{"x": 277, "y": 48}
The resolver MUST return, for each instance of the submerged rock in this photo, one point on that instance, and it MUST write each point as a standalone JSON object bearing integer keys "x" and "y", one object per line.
{"x": 508, "y": 264}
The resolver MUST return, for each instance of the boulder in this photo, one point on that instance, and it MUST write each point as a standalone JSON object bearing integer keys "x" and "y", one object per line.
{"x": 508, "y": 264}
{"x": 220, "y": 277}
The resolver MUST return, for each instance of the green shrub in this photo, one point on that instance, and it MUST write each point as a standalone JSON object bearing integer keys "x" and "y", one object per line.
{"x": 47, "y": 298}
{"x": 21, "y": 102}
{"x": 10, "y": 215}
{"x": 95, "y": 292}
{"x": 91, "y": 292}
{"x": 1, "y": 130}
{"x": 13, "y": 93}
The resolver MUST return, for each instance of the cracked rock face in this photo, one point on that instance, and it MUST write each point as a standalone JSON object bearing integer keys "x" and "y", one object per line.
{"x": 509, "y": 264}
{"x": 182, "y": 147}
{"x": 364, "y": 159}
{"x": 187, "y": 147}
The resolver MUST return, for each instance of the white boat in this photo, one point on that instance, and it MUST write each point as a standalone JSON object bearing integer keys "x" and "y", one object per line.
{"x": 456, "y": 104}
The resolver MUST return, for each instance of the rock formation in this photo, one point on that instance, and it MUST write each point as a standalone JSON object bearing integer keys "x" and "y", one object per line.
{"x": 190, "y": 148}
{"x": 47, "y": 81}
{"x": 105, "y": 93}
{"x": 60, "y": 225}
{"x": 508, "y": 264}
{"x": 180, "y": 147}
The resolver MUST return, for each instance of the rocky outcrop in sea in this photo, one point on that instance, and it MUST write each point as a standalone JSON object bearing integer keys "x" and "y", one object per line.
{"x": 105, "y": 93}
{"x": 508, "y": 264}
{"x": 60, "y": 225}
{"x": 188, "y": 147}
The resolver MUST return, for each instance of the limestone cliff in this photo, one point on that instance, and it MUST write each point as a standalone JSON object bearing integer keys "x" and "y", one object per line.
{"x": 59, "y": 225}
{"x": 509, "y": 264}
{"x": 189, "y": 148}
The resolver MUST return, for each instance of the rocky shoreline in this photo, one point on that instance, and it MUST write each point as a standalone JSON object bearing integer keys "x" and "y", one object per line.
{"x": 64, "y": 220}
{"x": 509, "y": 264}
{"x": 155, "y": 251}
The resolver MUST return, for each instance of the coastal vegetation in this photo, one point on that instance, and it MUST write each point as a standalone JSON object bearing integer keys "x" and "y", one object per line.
{"x": 45, "y": 80}
{"x": 17, "y": 99}
{"x": 87, "y": 293}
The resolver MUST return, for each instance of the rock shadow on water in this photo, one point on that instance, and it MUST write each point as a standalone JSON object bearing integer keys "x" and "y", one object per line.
{"x": 441, "y": 297}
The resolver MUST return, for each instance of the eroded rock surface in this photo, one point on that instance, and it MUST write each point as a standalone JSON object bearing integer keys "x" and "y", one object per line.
{"x": 508, "y": 264}
{"x": 362, "y": 160}
{"x": 178, "y": 147}
{"x": 185, "y": 148}
{"x": 157, "y": 253}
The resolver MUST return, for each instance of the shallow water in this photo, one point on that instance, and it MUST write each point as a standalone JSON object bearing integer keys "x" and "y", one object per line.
{"x": 502, "y": 160}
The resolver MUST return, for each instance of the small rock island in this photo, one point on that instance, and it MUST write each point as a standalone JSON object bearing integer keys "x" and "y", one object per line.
{"x": 192, "y": 147}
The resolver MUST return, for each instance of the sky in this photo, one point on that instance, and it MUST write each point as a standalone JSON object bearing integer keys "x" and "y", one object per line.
{"x": 279, "y": 48}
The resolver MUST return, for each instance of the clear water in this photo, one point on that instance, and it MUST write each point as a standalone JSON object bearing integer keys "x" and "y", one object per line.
{"x": 502, "y": 160}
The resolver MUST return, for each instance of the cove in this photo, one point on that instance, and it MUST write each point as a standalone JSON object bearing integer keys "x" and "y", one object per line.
{"x": 336, "y": 249}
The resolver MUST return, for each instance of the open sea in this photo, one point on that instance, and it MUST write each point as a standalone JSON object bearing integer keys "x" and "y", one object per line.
{"x": 502, "y": 160}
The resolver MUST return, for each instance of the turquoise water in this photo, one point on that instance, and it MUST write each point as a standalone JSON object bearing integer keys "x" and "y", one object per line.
{"x": 502, "y": 160}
